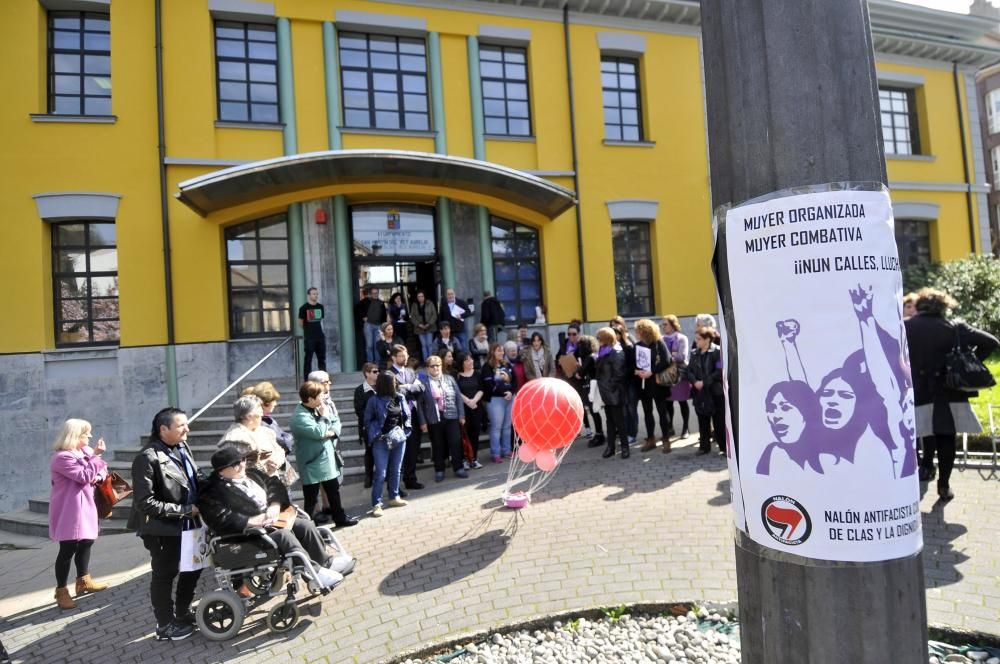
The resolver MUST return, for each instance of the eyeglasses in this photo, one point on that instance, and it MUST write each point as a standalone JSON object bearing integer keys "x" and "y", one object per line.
{"x": 372, "y": 371}
{"x": 571, "y": 334}
{"x": 434, "y": 366}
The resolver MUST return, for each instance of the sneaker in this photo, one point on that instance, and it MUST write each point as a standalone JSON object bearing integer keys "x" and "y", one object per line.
{"x": 462, "y": 472}
{"x": 465, "y": 465}
{"x": 186, "y": 619}
{"x": 497, "y": 459}
{"x": 403, "y": 494}
{"x": 174, "y": 631}
{"x": 507, "y": 455}
{"x": 342, "y": 564}
{"x": 476, "y": 465}
{"x": 397, "y": 502}
{"x": 377, "y": 511}
{"x": 439, "y": 476}
{"x": 587, "y": 433}
{"x": 631, "y": 440}
{"x": 328, "y": 577}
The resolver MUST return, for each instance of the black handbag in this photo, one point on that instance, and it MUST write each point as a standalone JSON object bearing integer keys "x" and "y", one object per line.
{"x": 963, "y": 371}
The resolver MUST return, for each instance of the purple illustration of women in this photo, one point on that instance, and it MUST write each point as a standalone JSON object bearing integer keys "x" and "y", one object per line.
{"x": 793, "y": 413}
{"x": 868, "y": 390}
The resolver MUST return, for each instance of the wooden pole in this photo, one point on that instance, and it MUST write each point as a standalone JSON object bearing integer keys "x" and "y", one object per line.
{"x": 792, "y": 99}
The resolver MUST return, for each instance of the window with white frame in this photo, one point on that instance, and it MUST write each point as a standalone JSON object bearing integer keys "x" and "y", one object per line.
{"x": 993, "y": 112}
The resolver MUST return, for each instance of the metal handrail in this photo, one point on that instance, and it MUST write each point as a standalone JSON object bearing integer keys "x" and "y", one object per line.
{"x": 250, "y": 371}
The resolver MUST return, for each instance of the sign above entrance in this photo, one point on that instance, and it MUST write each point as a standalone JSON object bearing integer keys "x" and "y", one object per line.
{"x": 392, "y": 231}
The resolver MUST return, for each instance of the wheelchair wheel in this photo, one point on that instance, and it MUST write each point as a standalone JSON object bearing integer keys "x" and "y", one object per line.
{"x": 283, "y": 617}
{"x": 261, "y": 584}
{"x": 220, "y": 615}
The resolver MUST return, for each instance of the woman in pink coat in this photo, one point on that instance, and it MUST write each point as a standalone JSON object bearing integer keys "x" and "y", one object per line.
{"x": 76, "y": 468}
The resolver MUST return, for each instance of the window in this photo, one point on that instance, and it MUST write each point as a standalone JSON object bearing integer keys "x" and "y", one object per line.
{"x": 398, "y": 230}
{"x": 85, "y": 281}
{"x": 257, "y": 256}
{"x": 246, "y": 67}
{"x": 517, "y": 274}
{"x": 993, "y": 111}
{"x": 622, "y": 108}
{"x": 79, "y": 63}
{"x": 384, "y": 82}
{"x": 914, "y": 243}
{"x": 504, "y": 73}
{"x": 995, "y": 159}
{"x": 899, "y": 120}
{"x": 633, "y": 267}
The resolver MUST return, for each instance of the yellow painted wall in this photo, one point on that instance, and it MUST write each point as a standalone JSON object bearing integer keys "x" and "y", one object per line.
{"x": 122, "y": 159}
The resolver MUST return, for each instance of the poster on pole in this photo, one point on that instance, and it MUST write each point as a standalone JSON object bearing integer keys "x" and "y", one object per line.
{"x": 826, "y": 464}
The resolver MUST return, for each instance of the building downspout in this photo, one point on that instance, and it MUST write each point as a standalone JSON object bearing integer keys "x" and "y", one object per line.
{"x": 170, "y": 361}
{"x": 576, "y": 170}
{"x": 965, "y": 159}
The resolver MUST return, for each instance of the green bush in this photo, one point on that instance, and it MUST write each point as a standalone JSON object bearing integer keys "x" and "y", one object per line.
{"x": 974, "y": 282}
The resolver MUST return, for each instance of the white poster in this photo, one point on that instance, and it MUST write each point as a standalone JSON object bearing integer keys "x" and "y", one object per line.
{"x": 643, "y": 358}
{"x": 827, "y": 452}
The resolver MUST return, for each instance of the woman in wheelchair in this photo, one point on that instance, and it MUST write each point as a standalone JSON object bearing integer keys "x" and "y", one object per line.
{"x": 236, "y": 498}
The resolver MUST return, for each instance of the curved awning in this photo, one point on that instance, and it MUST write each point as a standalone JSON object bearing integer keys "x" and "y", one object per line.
{"x": 302, "y": 172}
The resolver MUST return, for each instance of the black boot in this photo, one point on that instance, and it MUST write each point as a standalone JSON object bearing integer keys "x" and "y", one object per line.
{"x": 596, "y": 441}
{"x": 625, "y": 451}
{"x": 609, "y": 451}
{"x": 944, "y": 492}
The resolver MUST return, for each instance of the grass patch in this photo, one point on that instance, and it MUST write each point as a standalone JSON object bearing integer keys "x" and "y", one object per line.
{"x": 990, "y": 396}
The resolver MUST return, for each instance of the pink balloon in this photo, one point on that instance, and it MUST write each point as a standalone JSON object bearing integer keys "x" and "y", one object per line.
{"x": 527, "y": 452}
{"x": 545, "y": 460}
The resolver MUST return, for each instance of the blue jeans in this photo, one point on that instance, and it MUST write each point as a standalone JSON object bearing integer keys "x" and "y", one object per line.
{"x": 371, "y": 336}
{"x": 426, "y": 344}
{"x": 499, "y": 411}
{"x": 632, "y": 411}
{"x": 386, "y": 460}
{"x": 461, "y": 339}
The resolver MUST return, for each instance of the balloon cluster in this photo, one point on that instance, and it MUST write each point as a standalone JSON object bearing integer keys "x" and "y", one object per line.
{"x": 547, "y": 415}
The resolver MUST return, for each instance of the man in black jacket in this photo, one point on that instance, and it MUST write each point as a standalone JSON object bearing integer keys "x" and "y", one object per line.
{"x": 235, "y": 498}
{"x": 492, "y": 315}
{"x": 165, "y": 482}
{"x": 371, "y": 312}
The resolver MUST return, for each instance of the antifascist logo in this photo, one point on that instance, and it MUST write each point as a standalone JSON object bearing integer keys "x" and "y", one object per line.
{"x": 786, "y": 520}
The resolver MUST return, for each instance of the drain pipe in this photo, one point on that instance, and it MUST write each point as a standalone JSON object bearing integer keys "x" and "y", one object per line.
{"x": 965, "y": 158}
{"x": 576, "y": 168}
{"x": 170, "y": 361}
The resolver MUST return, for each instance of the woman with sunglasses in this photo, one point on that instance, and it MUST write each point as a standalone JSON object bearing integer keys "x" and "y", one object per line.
{"x": 362, "y": 393}
{"x": 387, "y": 422}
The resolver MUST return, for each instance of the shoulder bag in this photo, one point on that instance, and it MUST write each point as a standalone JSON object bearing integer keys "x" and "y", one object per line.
{"x": 963, "y": 371}
{"x": 669, "y": 376}
{"x": 109, "y": 492}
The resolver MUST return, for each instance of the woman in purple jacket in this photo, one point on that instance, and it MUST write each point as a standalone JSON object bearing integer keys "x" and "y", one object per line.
{"x": 75, "y": 468}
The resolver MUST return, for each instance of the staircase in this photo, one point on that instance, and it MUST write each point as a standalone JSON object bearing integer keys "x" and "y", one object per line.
{"x": 205, "y": 434}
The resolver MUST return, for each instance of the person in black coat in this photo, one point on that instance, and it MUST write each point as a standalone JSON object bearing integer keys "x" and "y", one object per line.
{"x": 586, "y": 353}
{"x": 705, "y": 373}
{"x": 236, "y": 498}
{"x": 362, "y": 393}
{"x": 650, "y": 394}
{"x": 492, "y": 315}
{"x": 611, "y": 383}
{"x": 941, "y": 413}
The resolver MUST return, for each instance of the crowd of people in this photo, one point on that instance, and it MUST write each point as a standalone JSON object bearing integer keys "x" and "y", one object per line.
{"x": 455, "y": 392}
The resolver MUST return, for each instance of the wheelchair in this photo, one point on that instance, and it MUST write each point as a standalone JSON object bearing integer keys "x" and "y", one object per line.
{"x": 252, "y": 559}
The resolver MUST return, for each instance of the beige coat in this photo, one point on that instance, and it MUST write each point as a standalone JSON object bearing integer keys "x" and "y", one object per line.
{"x": 261, "y": 442}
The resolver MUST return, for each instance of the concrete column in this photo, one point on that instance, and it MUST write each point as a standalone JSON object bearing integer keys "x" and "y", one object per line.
{"x": 345, "y": 283}
{"x": 445, "y": 246}
{"x": 479, "y": 151}
{"x": 792, "y": 100}
{"x": 296, "y": 241}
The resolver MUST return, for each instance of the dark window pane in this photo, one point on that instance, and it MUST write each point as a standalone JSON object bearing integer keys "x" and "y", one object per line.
{"x": 276, "y": 320}
{"x": 73, "y": 310}
{"x": 274, "y": 250}
{"x": 633, "y": 268}
{"x": 85, "y": 265}
{"x": 106, "y": 331}
{"x": 900, "y": 130}
{"x": 274, "y": 275}
{"x": 516, "y": 269}
{"x": 259, "y": 300}
{"x": 73, "y": 287}
{"x": 73, "y": 333}
{"x": 243, "y": 276}
{"x": 71, "y": 260}
{"x": 104, "y": 308}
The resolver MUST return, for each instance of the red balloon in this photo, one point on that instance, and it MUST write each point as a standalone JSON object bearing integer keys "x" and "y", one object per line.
{"x": 547, "y": 413}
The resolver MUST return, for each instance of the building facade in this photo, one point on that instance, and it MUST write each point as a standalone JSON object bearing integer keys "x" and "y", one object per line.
{"x": 178, "y": 173}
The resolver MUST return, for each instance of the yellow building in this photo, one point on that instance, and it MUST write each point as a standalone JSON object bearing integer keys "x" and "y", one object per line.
{"x": 176, "y": 174}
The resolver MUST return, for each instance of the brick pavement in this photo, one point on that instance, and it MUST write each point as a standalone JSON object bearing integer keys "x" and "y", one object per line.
{"x": 654, "y": 528}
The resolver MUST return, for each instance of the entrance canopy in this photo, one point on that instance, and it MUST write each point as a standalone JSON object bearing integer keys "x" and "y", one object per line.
{"x": 304, "y": 172}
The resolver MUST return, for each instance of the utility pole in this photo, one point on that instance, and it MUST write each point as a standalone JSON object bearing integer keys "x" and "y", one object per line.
{"x": 792, "y": 100}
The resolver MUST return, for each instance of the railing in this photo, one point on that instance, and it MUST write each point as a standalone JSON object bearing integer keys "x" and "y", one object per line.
{"x": 295, "y": 360}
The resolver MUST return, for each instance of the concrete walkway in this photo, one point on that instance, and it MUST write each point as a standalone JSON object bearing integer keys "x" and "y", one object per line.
{"x": 653, "y": 528}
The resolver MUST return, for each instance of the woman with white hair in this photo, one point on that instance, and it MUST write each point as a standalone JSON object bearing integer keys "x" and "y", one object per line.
{"x": 75, "y": 469}
{"x": 258, "y": 443}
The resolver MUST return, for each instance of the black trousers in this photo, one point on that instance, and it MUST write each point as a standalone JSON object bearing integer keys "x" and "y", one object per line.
{"x": 70, "y": 550}
{"x": 315, "y": 346}
{"x": 616, "y": 426}
{"x": 409, "y": 469}
{"x": 944, "y": 445}
{"x": 446, "y": 441}
{"x": 304, "y": 538}
{"x": 685, "y": 412}
{"x": 310, "y": 494}
{"x": 714, "y": 421}
{"x": 165, "y": 558}
{"x": 474, "y": 426}
{"x": 650, "y": 397}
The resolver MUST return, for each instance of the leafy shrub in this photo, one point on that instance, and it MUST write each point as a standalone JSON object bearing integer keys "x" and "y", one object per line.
{"x": 974, "y": 282}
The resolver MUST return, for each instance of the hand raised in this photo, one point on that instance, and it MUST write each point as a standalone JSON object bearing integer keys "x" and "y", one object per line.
{"x": 788, "y": 329}
{"x": 100, "y": 447}
{"x": 861, "y": 298}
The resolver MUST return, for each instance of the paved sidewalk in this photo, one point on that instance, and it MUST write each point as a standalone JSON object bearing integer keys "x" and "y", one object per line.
{"x": 653, "y": 528}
